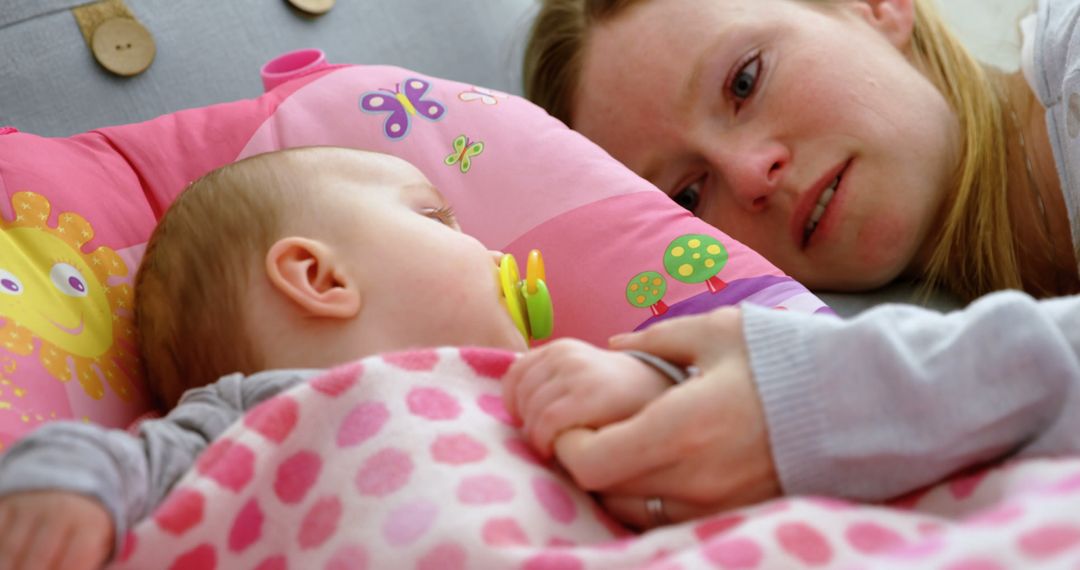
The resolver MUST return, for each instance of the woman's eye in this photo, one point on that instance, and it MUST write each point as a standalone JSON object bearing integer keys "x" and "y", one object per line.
{"x": 689, "y": 197}
{"x": 745, "y": 80}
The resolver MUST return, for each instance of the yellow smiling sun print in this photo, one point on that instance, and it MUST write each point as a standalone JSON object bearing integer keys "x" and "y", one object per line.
{"x": 52, "y": 292}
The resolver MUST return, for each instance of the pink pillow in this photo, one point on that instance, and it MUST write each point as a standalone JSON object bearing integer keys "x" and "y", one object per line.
{"x": 77, "y": 211}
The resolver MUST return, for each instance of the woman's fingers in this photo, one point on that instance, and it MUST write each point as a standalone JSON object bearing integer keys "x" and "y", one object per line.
{"x": 672, "y": 340}
{"x": 645, "y": 442}
{"x": 602, "y": 459}
{"x": 599, "y": 459}
{"x": 677, "y": 481}
{"x": 636, "y": 511}
{"x": 704, "y": 440}
{"x": 712, "y": 482}
{"x": 697, "y": 339}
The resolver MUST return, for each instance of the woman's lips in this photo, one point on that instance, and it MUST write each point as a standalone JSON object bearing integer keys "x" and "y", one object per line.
{"x": 813, "y": 213}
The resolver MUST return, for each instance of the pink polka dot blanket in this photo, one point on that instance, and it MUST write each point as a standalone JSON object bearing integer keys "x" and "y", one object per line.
{"x": 75, "y": 214}
{"x": 409, "y": 461}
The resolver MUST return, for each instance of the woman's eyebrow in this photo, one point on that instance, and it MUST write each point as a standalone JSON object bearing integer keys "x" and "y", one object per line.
{"x": 691, "y": 89}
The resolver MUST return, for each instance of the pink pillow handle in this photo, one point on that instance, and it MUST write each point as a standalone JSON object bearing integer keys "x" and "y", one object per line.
{"x": 291, "y": 65}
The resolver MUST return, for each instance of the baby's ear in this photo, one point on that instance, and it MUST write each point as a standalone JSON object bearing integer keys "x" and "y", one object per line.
{"x": 307, "y": 273}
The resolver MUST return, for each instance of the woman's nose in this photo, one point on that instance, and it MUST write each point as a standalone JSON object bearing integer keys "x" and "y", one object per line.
{"x": 753, "y": 173}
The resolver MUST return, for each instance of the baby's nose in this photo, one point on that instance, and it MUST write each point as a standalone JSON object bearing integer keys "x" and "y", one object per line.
{"x": 496, "y": 256}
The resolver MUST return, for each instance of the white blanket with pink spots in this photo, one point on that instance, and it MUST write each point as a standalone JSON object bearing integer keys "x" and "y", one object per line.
{"x": 410, "y": 461}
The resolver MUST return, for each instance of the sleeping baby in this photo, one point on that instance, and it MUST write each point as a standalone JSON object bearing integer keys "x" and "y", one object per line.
{"x": 261, "y": 274}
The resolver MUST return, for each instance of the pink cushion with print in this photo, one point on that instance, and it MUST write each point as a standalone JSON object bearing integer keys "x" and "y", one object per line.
{"x": 76, "y": 212}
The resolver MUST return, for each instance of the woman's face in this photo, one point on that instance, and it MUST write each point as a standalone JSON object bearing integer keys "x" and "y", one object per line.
{"x": 800, "y": 129}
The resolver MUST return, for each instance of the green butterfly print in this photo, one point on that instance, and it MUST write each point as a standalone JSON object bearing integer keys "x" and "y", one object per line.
{"x": 464, "y": 151}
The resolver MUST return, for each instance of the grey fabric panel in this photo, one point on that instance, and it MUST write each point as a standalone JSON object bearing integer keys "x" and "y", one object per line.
{"x": 14, "y": 11}
{"x": 210, "y": 51}
{"x": 906, "y": 292}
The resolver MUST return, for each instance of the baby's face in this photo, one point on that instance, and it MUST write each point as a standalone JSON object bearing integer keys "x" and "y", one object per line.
{"x": 422, "y": 279}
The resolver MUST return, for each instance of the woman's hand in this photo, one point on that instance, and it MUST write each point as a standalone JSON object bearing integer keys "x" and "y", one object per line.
{"x": 702, "y": 446}
{"x": 53, "y": 530}
{"x": 569, "y": 383}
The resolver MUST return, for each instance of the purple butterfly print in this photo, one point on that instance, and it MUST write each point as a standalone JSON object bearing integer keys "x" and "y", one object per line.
{"x": 402, "y": 104}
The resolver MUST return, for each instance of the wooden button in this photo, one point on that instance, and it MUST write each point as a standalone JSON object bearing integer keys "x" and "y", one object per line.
{"x": 315, "y": 7}
{"x": 123, "y": 46}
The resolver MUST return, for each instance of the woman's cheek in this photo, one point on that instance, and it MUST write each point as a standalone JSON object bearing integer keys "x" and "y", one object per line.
{"x": 884, "y": 246}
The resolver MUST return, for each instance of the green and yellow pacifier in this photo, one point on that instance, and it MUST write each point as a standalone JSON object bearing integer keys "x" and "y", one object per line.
{"x": 528, "y": 300}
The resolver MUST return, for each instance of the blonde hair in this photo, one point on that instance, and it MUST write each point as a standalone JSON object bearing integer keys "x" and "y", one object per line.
{"x": 976, "y": 252}
{"x": 189, "y": 290}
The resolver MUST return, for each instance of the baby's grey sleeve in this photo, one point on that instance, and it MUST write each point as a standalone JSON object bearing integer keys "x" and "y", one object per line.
{"x": 900, "y": 397}
{"x": 111, "y": 466}
{"x": 131, "y": 475}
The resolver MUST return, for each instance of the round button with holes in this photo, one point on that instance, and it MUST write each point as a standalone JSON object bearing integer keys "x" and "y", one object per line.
{"x": 313, "y": 7}
{"x": 123, "y": 46}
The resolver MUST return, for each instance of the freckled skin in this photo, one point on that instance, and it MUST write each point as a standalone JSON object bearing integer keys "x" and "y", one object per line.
{"x": 824, "y": 88}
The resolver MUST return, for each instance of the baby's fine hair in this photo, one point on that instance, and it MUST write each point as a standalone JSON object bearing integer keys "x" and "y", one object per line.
{"x": 976, "y": 252}
{"x": 189, "y": 290}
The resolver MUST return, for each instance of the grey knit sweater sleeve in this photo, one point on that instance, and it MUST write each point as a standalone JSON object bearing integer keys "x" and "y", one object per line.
{"x": 901, "y": 397}
{"x": 131, "y": 475}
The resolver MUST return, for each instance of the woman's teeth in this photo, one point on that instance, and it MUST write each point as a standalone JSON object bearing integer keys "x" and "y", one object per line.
{"x": 819, "y": 210}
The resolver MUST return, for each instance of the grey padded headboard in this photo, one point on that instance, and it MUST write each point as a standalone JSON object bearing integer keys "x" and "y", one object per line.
{"x": 210, "y": 51}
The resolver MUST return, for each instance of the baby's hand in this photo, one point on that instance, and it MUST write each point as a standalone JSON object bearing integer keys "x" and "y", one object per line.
{"x": 569, "y": 383}
{"x": 53, "y": 530}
